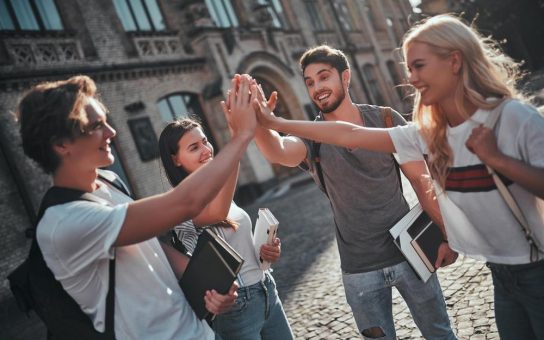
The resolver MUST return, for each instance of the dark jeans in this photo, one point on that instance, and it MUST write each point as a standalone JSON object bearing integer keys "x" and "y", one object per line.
{"x": 519, "y": 300}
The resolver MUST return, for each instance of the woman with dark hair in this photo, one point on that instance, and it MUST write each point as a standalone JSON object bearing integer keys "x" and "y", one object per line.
{"x": 258, "y": 312}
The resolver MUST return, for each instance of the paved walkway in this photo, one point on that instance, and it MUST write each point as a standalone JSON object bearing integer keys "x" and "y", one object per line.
{"x": 310, "y": 286}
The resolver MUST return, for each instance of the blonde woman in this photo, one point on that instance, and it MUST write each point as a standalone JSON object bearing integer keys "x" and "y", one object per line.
{"x": 460, "y": 78}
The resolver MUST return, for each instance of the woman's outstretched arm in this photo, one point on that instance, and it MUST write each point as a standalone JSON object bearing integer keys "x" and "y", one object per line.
{"x": 338, "y": 133}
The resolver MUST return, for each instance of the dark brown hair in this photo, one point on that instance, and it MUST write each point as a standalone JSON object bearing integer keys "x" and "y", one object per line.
{"x": 51, "y": 112}
{"x": 324, "y": 54}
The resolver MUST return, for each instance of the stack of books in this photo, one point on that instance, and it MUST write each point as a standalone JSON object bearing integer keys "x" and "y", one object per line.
{"x": 214, "y": 265}
{"x": 418, "y": 238}
{"x": 266, "y": 229}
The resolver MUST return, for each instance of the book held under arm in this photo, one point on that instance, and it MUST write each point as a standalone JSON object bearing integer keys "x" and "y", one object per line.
{"x": 214, "y": 265}
{"x": 418, "y": 238}
{"x": 266, "y": 229}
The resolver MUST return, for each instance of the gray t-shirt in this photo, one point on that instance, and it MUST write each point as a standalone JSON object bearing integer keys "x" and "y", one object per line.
{"x": 366, "y": 199}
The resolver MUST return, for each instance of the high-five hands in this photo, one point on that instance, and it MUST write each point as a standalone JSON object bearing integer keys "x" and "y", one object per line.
{"x": 238, "y": 108}
{"x": 244, "y": 90}
{"x": 263, "y": 108}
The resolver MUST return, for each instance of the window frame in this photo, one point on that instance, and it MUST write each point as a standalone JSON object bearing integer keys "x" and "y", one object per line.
{"x": 272, "y": 8}
{"x": 36, "y": 15}
{"x": 224, "y": 7}
{"x": 316, "y": 19}
{"x": 136, "y": 21}
{"x": 197, "y": 112}
{"x": 373, "y": 83}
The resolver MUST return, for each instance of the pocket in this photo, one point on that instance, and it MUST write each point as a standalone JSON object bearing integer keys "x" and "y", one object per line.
{"x": 239, "y": 306}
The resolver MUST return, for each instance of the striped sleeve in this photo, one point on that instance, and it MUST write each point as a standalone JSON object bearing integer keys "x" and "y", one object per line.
{"x": 188, "y": 233}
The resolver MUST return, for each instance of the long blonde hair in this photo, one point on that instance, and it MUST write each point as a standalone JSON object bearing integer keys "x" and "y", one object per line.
{"x": 485, "y": 72}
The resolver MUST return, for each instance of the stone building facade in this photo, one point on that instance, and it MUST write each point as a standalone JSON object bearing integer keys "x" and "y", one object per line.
{"x": 156, "y": 60}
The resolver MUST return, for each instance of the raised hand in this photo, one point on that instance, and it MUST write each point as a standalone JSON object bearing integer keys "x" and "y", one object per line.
{"x": 263, "y": 108}
{"x": 238, "y": 108}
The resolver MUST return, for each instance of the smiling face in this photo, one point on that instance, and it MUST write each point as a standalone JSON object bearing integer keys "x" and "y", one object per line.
{"x": 434, "y": 76}
{"x": 325, "y": 86}
{"x": 194, "y": 150}
{"x": 91, "y": 149}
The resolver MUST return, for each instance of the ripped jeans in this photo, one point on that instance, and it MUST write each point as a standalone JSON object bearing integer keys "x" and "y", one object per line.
{"x": 370, "y": 298}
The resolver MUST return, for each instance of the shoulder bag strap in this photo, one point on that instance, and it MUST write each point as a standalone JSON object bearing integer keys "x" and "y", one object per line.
{"x": 56, "y": 196}
{"x": 387, "y": 117}
{"x": 505, "y": 193}
{"x": 316, "y": 160}
{"x": 317, "y": 164}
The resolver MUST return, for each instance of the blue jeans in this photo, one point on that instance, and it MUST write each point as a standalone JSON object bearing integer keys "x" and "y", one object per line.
{"x": 519, "y": 300}
{"x": 370, "y": 298}
{"x": 257, "y": 314}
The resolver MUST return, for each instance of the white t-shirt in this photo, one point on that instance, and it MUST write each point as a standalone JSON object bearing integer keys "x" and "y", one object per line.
{"x": 77, "y": 239}
{"x": 240, "y": 239}
{"x": 495, "y": 235}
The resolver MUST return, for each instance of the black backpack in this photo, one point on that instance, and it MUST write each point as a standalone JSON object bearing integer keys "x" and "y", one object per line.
{"x": 35, "y": 287}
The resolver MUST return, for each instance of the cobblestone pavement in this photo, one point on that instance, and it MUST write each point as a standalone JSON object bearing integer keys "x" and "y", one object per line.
{"x": 309, "y": 278}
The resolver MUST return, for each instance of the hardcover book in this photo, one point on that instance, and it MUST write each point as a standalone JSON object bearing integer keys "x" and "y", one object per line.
{"x": 266, "y": 229}
{"x": 214, "y": 265}
{"x": 418, "y": 238}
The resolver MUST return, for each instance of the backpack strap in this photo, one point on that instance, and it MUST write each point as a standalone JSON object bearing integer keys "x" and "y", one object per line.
{"x": 387, "y": 116}
{"x": 59, "y": 195}
{"x": 316, "y": 160}
{"x": 114, "y": 179}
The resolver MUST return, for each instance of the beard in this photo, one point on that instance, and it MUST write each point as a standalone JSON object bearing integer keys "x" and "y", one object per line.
{"x": 334, "y": 105}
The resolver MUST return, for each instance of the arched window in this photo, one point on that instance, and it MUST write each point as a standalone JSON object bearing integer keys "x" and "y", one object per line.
{"x": 184, "y": 105}
{"x": 29, "y": 15}
{"x": 371, "y": 78}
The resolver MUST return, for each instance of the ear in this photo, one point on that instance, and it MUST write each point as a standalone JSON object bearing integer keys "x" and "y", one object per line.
{"x": 346, "y": 77}
{"x": 456, "y": 59}
{"x": 61, "y": 147}
{"x": 175, "y": 161}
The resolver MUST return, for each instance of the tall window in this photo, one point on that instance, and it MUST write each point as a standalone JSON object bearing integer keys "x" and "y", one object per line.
{"x": 395, "y": 76}
{"x": 275, "y": 10}
{"x": 222, "y": 13}
{"x": 344, "y": 15}
{"x": 371, "y": 78}
{"x": 139, "y": 15}
{"x": 184, "y": 105}
{"x": 315, "y": 15}
{"x": 29, "y": 15}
